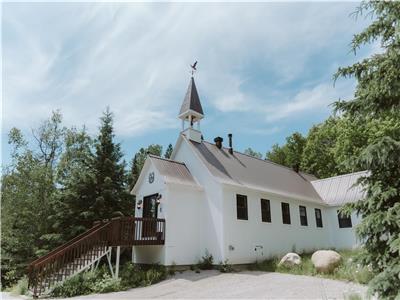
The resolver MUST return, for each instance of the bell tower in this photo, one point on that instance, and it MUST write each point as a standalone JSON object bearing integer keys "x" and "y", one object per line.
{"x": 191, "y": 113}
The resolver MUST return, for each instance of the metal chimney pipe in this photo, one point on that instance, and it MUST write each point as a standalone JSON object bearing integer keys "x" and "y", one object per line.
{"x": 230, "y": 143}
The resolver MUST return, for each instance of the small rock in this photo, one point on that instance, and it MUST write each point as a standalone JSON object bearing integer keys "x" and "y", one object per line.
{"x": 325, "y": 261}
{"x": 290, "y": 259}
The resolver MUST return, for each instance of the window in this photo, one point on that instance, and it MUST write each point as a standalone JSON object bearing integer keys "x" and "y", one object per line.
{"x": 241, "y": 207}
{"x": 344, "y": 221}
{"x": 285, "y": 213}
{"x": 265, "y": 210}
{"x": 303, "y": 216}
{"x": 318, "y": 217}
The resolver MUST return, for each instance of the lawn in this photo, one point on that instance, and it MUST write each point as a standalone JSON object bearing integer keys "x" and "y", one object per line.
{"x": 348, "y": 270}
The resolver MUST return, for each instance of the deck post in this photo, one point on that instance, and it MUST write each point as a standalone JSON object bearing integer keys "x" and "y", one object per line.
{"x": 117, "y": 261}
{"x": 133, "y": 254}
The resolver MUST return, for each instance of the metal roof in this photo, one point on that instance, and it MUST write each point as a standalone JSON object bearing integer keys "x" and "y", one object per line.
{"x": 247, "y": 171}
{"x": 192, "y": 100}
{"x": 338, "y": 190}
{"x": 173, "y": 171}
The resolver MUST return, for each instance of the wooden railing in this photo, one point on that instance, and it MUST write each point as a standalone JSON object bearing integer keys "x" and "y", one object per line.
{"x": 82, "y": 251}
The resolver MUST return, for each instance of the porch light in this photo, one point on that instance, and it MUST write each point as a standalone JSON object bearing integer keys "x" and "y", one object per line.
{"x": 158, "y": 199}
{"x": 139, "y": 204}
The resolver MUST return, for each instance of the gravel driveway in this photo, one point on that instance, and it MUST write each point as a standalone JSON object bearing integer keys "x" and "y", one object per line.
{"x": 212, "y": 284}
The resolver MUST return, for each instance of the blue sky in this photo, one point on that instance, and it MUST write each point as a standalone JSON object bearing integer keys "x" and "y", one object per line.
{"x": 264, "y": 70}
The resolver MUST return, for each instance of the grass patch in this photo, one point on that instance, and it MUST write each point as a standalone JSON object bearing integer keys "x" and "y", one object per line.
{"x": 348, "y": 269}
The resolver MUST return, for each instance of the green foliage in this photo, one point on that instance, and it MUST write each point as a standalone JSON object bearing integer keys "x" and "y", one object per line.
{"x": 377, "y": 96}
{"x": 21, "y": 288}
{"x": 28, "y": 193}
{"x": 225, "y": 267}
{"x": 290, "y": 154}
{"x": 253, "y": 153}
{"x": 112, "y": 197}
{"x": 206, "y": 262}
{"x": 168, "y": 152}
{"x": 55, "y": 187}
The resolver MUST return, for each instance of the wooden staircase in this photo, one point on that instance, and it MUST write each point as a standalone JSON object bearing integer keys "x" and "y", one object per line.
{"x": 86, "y": 250}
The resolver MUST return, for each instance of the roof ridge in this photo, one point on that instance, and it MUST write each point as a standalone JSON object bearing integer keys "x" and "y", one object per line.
{"x": 339, "y": 176}
{"x": 264, "y": 160}
{"x": 166, "y": 159}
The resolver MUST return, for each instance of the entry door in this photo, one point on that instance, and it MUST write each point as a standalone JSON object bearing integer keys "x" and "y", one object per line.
{"x": 150, "y": 210}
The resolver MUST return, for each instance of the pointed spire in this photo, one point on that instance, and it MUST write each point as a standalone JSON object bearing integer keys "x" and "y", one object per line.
{"x": 191, "y": 103}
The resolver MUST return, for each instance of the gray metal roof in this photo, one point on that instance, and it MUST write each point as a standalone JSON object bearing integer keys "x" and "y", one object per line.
{"x": 338, "y": 190}
{"x": 173, "y": 171}
{"x": 247, "y": 171}
{"x": 192, "y": 100}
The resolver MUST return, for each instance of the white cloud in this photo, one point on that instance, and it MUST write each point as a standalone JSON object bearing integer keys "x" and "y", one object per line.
{"x": 134, "y": 57}
{"x": 310, "y": 101}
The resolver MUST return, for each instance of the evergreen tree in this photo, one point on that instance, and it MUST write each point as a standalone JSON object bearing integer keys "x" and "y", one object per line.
{"x": 111, "y": 190}
{"x": 76, "y": 180}
{"x": 168, "y": 152}
{"x": 378, "y": 93}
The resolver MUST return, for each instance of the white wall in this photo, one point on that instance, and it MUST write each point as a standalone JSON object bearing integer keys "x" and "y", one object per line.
{"x": 184, "y": 215}
{"x": 342, "y": 238}
{"x": 254, "y": 240}
{"x": 211, "y": 224}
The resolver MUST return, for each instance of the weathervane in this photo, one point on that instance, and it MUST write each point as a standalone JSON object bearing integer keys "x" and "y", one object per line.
{"x": 194, "y": 67}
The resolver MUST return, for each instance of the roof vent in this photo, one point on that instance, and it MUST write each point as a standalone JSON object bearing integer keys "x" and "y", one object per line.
{"x": 218, "y": 142}
{"x": 230, "y": 143}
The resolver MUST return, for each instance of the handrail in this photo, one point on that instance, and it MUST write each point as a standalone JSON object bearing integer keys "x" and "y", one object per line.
{"x": 83, "y": 250}
{"x": 64, "y": 245}
{"x": 71, "y": 245}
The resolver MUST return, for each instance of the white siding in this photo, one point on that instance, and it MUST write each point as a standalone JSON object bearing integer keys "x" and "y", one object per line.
{"x": 254, "y": 240}
{"x": 211, "y": 223}
{"x": 183, "y": 225}
{"x": 342, "y": 238}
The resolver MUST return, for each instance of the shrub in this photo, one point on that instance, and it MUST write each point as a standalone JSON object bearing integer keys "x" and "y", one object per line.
{"x": 107, "y": 284}
{"x": 206, "y": 262}
{"x": 225, "y": 267}
{"x": 21, "y": 288}
{"x": 134, "y": 276}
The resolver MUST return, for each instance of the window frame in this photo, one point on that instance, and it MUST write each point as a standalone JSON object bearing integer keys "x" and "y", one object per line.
{"x": 265, "y": 210}
{"x": 286, "y": 220}
{"x": 319, "y": 224}
{"x": 245, "y": 208}
{"x": 344, "y": 221}
{"x": 303, "y": 219}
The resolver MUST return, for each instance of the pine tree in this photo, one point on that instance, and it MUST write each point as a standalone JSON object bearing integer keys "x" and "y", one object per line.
{"x": 378, "y": 94}
{"x": 168, "y": 152}
{"x": 111, "y": 190}
{"x": 76, "y": 180}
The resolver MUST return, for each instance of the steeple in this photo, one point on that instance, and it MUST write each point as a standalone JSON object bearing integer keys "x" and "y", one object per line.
{"x": 191, "y": 103}
{"x": 191, "y": 112}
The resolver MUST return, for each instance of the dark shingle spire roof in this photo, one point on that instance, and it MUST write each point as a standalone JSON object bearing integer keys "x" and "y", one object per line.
{"x": 192, "y": 100}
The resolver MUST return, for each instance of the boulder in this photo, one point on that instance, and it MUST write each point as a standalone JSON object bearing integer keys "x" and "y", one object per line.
{"x": 290, "y": 259}
{"x": 325, "y": 261}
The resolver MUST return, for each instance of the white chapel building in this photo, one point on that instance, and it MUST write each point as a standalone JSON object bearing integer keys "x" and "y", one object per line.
{"x": 238, "y": 208}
